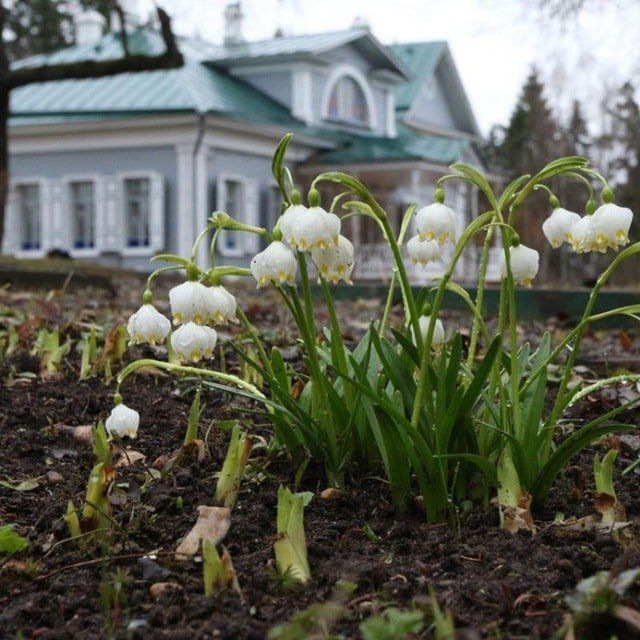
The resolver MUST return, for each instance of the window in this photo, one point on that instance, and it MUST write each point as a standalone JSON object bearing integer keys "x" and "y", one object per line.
{"x": 274, "y": 206}
{"x": 136, "y": 209}
{"x": 82, "y": 205}
{"x": 347, "y": 102}
{"x": 233, "y": 204}
{"x": 28, "y": 201}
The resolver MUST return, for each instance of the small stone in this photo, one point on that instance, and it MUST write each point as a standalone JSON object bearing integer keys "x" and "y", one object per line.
{"x": 330, "y": 494}
{"x": 53, "y": 477}
{"x": 158, "y": 588}
{"x": 82, "y": 434}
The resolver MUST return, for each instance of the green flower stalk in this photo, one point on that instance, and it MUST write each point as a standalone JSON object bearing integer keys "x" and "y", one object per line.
{"x": 291, "y": 546}
{"x": 218, "y": 573}
{"x": 100, "y": 444}
{"x": 235, "y": 461}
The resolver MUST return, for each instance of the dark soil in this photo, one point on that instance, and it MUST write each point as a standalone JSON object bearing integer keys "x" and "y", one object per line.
{"x": 496, "y": 584}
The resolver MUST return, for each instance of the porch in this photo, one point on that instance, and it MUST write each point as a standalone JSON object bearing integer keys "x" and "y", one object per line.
{"x": 396, "y": 185}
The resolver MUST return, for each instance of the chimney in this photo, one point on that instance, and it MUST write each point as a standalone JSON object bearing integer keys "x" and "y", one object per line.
{"x": 89, "y": 26}
{"x": 233, "y": 17}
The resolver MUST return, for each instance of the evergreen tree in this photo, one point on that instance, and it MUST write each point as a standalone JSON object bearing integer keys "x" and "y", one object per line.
{"x": 577, "y": 133}
{"x": 627, "y": 139}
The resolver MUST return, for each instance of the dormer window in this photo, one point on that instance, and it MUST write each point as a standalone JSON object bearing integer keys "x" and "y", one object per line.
{"x": 348, "y": 103}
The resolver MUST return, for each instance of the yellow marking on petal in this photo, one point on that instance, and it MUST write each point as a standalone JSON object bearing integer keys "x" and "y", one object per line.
{"x": 194, "y": 356}
{"x": 198, "y": 319}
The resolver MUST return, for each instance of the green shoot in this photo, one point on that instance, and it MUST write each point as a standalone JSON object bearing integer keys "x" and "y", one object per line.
{"x": 50, "y": 351}
{"x": 195, "y": 413}
{"x": 606, "y": 501}
{"x": 100, "y": 444}
{"x": 235, "y": 461}
{"x": 89, "y": 354}
{"x": 443, "y": 624}
{"x": 291, "y": 546}
{"x": 217, "y": 572}
{"x": 73, "y": 522}
{"x": 394, "y": 624}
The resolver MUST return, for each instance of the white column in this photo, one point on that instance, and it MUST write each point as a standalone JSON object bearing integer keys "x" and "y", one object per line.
{"x": 302, "y": 95}
{"x": 185, "y": 199}
{"x": 201, "y": 202}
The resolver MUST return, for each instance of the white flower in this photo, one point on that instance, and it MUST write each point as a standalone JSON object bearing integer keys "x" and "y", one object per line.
{"x": 221, "y": 305}
{"x": 524, "y": 264}
{"x": 189, "y": 302}
{"x": 309, "y": 228}
{"x": 557, "y": 227}
{"x": 122, "y": 421}
{"x": 436, "y": 222}
{"x": 581, "y": 235}
{"x": 276, "y": 264}
{"x": 438, "y": 336}
{"x": 147, "y": 324}
{"x": 335, "y": 263}
{"x": 423, "y": 251}
{"x": 193, "y": 341}
{"x": 611, "y": 225}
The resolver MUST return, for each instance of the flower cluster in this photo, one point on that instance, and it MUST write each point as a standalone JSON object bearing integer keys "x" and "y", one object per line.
{"x": 606, "y": 228}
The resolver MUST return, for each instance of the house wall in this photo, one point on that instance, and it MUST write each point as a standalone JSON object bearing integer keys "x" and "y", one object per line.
{"x": 431, "y": 105}
{"x": 276, "y": 84}
{"x": 105, "y": 164}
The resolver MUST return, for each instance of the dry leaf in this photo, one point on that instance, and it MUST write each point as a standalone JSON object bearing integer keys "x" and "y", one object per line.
{"x": 518, "y": 518}
{"x": 212, "y": 524}
{"x": 128, "y": 457}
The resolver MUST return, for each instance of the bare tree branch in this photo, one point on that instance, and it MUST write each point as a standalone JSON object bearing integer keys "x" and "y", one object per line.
{"x": 124, "y": 38}
{"x": 171, "y": 58}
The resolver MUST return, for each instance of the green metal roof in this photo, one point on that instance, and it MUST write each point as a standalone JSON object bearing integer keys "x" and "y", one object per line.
{"x": 421, "y": 58}
{"x": 408, "y": 145}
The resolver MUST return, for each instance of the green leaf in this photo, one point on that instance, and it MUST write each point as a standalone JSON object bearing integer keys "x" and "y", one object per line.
{"x": 10, "y": 541}
{"x": 25, "y": 485}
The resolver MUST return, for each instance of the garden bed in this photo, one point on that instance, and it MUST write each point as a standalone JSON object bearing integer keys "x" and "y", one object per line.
{"x": 494, "y": 583}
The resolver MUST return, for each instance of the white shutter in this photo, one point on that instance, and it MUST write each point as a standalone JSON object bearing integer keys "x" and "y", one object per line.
{"x": 57, "y": 223}
{"x": 100, "y": 211}
{"x": 156, "y": 211}
{"x": 221, "y": 192}
{"x": 221, "y": 203}
{"x": 11, "y": 240}
{"x": 113, "y": 218}
{"x": 252, "y": 215}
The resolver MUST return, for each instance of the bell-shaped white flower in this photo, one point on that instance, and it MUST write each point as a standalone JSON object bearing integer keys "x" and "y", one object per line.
{"x": 335, "y": 263}
{"x": 122, "y": 421}
{"x": 438, "y": 336}
{"x": 277, "y": 264}
{"x": 147, "y": 324}
{"x": 221, "y": 305}
{"x": 557, "y": 227}
{"x": 524, "y": 264}
{"x": 189, "y": 302}
{"x": 192, "y": 342}
{"x": 287, "y": 220}
{"x": 436, "y": 222}
{"x": 611, "y": 224}
{"x": 582, "y": 236}
{"x": 423, "y": 251}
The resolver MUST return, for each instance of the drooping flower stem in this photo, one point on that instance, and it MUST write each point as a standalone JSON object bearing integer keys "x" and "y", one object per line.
{"x": 194, "y": 371}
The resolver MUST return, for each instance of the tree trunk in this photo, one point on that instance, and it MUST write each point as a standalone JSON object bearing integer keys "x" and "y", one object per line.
{"x": 4, "y": 157}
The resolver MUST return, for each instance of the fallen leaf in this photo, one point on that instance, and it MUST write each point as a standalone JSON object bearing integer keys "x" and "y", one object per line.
{"x": 26, "y": 485}
{"x": 212, "y": 524}
{"x": 625, "y": 341}
{"x": 128, "y": 458}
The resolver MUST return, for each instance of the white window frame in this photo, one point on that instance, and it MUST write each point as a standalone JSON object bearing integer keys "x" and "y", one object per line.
{"x": 41, "y": 183}
{"x": 223, "y": 250}
{"x": 353, "y": 73}
{"x": 67, "y": 181}
{"x": 150, "y": 249}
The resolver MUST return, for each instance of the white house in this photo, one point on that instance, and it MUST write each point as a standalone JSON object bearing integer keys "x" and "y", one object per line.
{"x": 120, "y": 168}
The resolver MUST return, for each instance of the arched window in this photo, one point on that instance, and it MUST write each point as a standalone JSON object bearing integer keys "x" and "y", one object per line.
{"x": 348, "y": 103}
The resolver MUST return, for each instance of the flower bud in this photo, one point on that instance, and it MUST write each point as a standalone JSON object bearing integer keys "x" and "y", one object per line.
{"x": 277, "y": 264}
{"x": 436, "y": 222}
{"x": 192, "y": 342}
{"x": 122, "y": 421}
{"x": 189, "y": 302}
{"x": 423, "y": 251}
{"x": 335, "y": 263}
{"x": 147, "y": 324}
{"x": 557, "y": 227}
{"x": 221, "y": 305}
{"x": 524, "y": 264}
{"x": 438, "y": 336}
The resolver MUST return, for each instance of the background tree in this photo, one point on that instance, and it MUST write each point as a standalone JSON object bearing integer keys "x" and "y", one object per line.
{"x": 40, "y": 26}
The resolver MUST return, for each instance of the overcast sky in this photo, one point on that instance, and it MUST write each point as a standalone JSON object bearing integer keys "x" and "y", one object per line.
{"x": 494, "y": 42}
